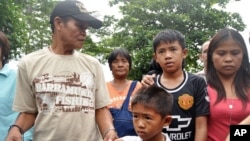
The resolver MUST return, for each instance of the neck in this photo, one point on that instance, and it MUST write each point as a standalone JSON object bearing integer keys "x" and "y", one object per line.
{"x": 174, "y": 75}
{"x": 120, "y": 81}
{"x": 120, "y": 85}
{"x": 59, "y": 49}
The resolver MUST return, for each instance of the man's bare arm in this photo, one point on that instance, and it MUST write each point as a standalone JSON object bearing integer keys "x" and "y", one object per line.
{"x": 24, "y": 121}
{"x": 105, "y": 122}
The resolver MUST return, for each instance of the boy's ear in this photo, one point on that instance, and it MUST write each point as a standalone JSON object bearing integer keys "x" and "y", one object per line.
{"x": 185, "y": 52}
{"x": 154, "y": 57}
{"x": 167, "y": 120}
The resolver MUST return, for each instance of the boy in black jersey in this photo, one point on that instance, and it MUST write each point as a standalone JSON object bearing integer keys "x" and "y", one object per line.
{"x": 191, "y": 106}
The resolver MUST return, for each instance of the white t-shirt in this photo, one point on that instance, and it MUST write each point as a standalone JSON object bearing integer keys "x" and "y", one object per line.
{"x": 64, "y": 91}
{"x": 137, "y": 138}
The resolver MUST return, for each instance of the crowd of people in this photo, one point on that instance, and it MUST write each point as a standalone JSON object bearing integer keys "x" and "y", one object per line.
{"x": 60, "y": 94}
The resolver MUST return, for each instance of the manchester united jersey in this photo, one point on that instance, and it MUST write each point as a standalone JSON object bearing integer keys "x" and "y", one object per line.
{"x": 190, "y": 101}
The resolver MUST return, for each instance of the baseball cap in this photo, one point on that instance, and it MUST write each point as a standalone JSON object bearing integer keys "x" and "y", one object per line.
{"x": 76, "y": 10}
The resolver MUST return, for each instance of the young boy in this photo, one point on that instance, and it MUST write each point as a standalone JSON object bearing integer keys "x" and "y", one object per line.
{"x": 151, "y": 108}
{"x": 191, "y": 105}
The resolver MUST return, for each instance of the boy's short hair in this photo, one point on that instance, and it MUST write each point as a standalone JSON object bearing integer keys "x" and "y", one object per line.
{"x": 169, "y": 36}
{"x": 119, "y": 51}
{"x": 156, "y": 98}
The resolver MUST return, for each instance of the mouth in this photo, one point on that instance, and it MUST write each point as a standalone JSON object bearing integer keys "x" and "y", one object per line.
{"x": 228, "y": 67}
{"x": 141, "y": 133}
{"x": 169, "y": 64}
{"x": 81, "y": 40}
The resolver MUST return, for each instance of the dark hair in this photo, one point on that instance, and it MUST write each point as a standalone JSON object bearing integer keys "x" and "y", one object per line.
{"x": 5, "y": 47}
{"x": 154, "y": 97}
{"x": 242, "y": 78}
{"x": 119, "y": 51}
{"x": 170, "y": 36}
{"x": 154, "y": 68}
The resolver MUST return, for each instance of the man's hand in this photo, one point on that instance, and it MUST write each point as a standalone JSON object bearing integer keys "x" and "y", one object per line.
{"x": 111, "y": 136}
{"x": 14, "y": 135}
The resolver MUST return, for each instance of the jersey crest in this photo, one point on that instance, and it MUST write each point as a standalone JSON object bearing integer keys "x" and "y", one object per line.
{"x": 185, "y": 101}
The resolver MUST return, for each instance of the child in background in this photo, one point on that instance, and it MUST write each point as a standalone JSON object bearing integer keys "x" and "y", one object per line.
{"x": 151, "y": 108}
{"x": 191, "y": 106}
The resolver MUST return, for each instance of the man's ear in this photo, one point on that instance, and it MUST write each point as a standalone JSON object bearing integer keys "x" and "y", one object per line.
{"x": 167, "y": 120}
{"x": 58, "y": 22}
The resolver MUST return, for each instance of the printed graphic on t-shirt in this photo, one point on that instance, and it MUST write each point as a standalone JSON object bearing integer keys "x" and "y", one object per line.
{"x": 65, "y": 92}
{"x": 185, "y": 101}
{"x": 179, "y": 130}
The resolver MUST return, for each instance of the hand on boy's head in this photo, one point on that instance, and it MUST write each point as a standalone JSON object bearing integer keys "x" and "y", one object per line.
{"x": 148, "y": 80}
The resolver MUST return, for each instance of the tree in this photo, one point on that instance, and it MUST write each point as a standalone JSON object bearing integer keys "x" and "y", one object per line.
{"x": 198, "y": 20}
{"x": 13, "y": 25}
{"x": 26, "y": 23}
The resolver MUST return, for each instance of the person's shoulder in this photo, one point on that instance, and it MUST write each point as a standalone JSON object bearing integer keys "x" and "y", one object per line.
{"x": 202, "y": 72}
{"x": 34, "y": 55}
{"x": 193, "y": 78}
{"x": 87, "y": 57}
{"x": 8, "y": 70}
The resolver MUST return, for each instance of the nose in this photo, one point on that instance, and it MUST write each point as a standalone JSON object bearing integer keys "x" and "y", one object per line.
{"x": 141, "y": 123}
{"x": 228, "y": 58}
{"x": 167, "y": 54}
{"x": 120, "y": 63}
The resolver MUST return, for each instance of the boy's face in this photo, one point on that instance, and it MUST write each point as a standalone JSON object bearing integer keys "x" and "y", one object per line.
{"x": 147, "y": 123}
{"x": 170, "y": 56}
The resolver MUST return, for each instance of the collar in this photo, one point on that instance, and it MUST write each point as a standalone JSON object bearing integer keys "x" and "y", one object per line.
{"x": 6, "y": 69}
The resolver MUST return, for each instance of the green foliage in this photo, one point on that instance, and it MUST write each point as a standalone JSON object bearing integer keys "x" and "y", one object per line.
{"x": 26, "y": 23}
{"x": 12, "y": 23}
{"x": 198, "y": 20}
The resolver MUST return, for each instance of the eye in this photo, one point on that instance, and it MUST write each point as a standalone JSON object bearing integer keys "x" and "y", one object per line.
{"x": 115, "y": 61}
{"x": 81, "y": 26}
{"x": 235, "y": 52}
{"x": 173, "y": 49}
{"x": 148, "y": 118}
{"x": 161, "y": 51}
{"x": 135, "y": 116}
{"x": 124, "y": 61}
{"x": 221, "y": 53}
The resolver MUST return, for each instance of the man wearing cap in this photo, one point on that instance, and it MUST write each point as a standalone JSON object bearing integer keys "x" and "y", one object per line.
{"x": 60, "y": 91}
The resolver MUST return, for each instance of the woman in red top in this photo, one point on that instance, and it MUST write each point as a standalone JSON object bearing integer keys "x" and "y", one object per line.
{"x": 228, "y": 78}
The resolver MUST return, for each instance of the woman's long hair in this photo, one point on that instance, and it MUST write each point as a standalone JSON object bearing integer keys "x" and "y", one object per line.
{"x": 242, "y": 78}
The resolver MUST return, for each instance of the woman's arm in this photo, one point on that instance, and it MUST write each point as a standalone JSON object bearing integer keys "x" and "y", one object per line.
{"x": 245, "y": 121}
